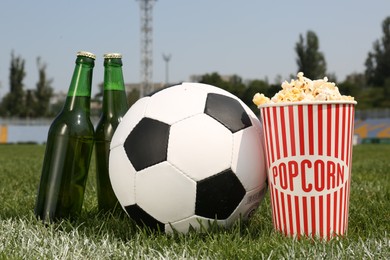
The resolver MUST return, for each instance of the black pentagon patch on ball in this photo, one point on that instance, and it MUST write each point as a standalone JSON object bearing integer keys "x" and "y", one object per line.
{"x": 147, "y": 143}
{"x": 142, "y": 218}
{"x": 228, "y": 111}
{"x": 219, "y": 195}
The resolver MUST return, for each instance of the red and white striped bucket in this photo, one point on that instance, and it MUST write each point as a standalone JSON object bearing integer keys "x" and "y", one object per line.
{"x": 309, "y": 154}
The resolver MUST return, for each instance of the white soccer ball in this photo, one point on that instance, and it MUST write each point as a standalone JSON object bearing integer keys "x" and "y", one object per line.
{"x": 187, "y": 156}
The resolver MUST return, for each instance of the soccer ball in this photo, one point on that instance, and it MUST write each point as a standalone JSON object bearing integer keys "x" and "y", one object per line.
{"x": 188, "y": 156}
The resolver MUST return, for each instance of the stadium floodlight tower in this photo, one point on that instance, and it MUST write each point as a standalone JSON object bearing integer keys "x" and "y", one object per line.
{"x": 146, "y": 7}
{"x": 167, "y": 58}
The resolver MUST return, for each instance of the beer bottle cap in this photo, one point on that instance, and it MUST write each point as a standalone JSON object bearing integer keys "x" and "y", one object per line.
{"x": 86, "y": 54}
{"x": 113, "y": 56}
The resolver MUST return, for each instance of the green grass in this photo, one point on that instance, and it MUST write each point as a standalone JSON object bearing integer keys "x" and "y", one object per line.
{"x": 114, "y": 236}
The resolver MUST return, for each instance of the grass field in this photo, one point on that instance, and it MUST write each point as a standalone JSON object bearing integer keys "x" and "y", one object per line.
{"x": 108, "y": 236}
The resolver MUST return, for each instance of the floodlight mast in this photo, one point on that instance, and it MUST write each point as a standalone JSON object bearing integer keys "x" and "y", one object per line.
{"x": 146, "y": 8}
{"x": 166, "y": 58}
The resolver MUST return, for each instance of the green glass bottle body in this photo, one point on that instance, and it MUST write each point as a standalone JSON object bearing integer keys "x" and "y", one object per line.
{"x": 68, "y": 149}
{"x": 115, "y": 106}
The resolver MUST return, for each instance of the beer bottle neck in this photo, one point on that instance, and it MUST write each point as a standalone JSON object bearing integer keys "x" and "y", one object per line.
{"x": 113, "y": 75}
{"x": 114, "y": 96}
{"x": 79, "y": 93}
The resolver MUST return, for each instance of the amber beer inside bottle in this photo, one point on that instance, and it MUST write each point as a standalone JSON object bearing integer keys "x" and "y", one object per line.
{"x": 68, "y": 149}
{"x": 115, "y": 106}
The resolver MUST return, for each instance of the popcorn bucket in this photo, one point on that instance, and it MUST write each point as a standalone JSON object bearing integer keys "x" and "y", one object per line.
{"x": 309, "y": 154}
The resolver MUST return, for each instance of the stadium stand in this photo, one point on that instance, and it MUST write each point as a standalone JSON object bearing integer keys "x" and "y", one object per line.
{"x": 373, "y": 130}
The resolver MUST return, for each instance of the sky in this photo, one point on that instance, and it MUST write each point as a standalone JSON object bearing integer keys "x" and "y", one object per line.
{"x": 253, "y": 39}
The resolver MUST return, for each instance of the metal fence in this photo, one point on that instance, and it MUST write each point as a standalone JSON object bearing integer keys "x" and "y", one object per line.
{"x": 359, "y": 115}
{"x": 14, "y": 130}
{"x": 372, "y": 114}
{"x": 34, "y": 121}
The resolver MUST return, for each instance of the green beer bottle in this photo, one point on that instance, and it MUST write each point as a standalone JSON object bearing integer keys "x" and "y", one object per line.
{"x": 68, "y": 149}
{"x": 114, "y": 108}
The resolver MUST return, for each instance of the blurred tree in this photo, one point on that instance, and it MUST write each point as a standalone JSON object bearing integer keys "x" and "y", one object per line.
{"x": 331, "y": 77}
{"x": 133, "y": 96}
{"x": 310, "y": 60}
{"x": 31, "y": 104}
{"x": 99, "y": 94}
{"x": 349, "y": 88}
{"x": 43, "y": 92}
{"x": 272, "y": 90}
{"x": 213, "y": 79}
{"x": 98, "y": 101}
{"x": 357, "y": 79}
{"x": 385, "y": 100}
{"x": 354, "y": 85}
{"x": 378, "y": 60}
{"x": 235, "y": 86}
{"x": 254, "y": 86}
{"x": 13, "y": 103}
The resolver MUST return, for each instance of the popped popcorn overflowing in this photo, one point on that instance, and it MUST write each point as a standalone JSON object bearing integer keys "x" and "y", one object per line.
{"x": 303, "y": 89}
